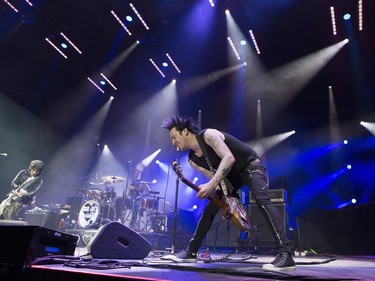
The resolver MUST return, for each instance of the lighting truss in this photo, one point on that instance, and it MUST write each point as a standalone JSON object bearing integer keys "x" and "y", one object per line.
{"x": 360, "y": 15}
{"x": 71, "y": 43}
{"x": 173, "y": 63}
{"x": 333, "y": 19}
{"x": 233, "y": 48}
{"x": 121, "y": 23}
{"x": 29, "y": 2}
{"x": 139, "y": 16}
{"x": 56, "y": 48}
{"x": 96, "y": 85}
{"x": 157, "y": 68}
{"x": 108, "y": 81}
{"x": 254, "y": 41}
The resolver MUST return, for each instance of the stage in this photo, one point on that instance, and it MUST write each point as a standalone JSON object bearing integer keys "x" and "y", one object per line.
{"x": 223, "y": 266}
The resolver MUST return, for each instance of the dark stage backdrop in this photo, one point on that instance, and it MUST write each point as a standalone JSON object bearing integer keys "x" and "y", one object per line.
{"x": 349, "y": 230}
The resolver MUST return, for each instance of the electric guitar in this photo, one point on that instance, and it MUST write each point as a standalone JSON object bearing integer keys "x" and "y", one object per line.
{"x": 11, "y": 197}
{"x": 231, "y": 208}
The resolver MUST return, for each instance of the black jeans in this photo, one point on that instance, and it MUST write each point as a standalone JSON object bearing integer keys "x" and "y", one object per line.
{"x": 255, "y": 177}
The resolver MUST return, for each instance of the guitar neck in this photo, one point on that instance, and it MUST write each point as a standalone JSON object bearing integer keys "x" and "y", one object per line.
{"x": 195, "y": 187}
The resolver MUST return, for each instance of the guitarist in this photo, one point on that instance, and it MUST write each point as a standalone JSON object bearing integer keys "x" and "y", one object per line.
{"x": 24, "y": 187}
{"x": 240, "y": 164}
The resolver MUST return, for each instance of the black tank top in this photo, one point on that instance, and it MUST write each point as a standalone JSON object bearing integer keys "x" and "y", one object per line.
{"x": 241, "y": 152}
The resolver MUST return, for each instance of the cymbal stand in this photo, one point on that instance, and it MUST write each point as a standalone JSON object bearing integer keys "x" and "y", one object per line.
{"x": 125, "y": 193}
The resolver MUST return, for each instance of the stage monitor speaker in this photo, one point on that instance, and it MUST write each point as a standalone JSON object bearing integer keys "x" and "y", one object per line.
{"x": 21, "y": 244}
{"x": 116, "y": 241}
{"x": 261, "y": 230}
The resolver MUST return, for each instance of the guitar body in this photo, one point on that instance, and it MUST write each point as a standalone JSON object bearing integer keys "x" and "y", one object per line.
{"x": 231, "y": 208}
{"x": 5, "y": 203}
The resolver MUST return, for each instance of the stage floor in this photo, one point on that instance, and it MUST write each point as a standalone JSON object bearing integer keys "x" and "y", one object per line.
{"x": 238, "y": 266}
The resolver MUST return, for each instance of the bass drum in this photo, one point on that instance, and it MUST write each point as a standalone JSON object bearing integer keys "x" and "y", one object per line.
{"x": 89, "y": 214}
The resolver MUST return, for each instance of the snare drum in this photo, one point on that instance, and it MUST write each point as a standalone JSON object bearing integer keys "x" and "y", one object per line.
{"x": 89, "y": 213}
{"x": 93, "y": 194}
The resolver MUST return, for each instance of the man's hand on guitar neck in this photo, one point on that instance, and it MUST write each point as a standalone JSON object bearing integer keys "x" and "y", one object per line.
{"x": 19, "y": 193}
{"x": 205, "y": 190}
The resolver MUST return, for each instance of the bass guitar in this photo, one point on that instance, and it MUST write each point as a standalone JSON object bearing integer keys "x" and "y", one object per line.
{"x": 231, "y": 208}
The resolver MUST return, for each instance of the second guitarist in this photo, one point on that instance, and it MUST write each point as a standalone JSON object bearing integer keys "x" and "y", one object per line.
{"x": 237, "y": 162}
{"x": 24, "y": 187}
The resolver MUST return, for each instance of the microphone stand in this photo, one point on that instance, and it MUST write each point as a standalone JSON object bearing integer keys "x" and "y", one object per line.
{"x": 125, "y": 191}
{"x": 175, "y": 208}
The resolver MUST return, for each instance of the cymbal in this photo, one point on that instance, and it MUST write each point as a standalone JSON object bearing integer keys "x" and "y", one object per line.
{"x": 113, "y": 178}
{"x": 96, "y": 183}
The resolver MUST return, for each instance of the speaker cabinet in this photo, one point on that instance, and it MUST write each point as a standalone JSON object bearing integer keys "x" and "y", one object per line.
{"x": 46, "y": 219}
{"x": 260, "y": 230}
{"x": 21, "y": 244}
{"x": 116, "y": 241}
{"x": 223, "y": 234}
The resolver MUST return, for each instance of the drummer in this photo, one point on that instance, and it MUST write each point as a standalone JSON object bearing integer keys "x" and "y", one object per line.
{"x": 137, "y": 190}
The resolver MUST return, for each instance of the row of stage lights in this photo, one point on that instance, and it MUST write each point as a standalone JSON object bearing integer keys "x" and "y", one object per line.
{"x": 347, "y": 16}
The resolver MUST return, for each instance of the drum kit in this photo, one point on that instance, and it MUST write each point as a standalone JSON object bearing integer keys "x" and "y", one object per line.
{"x": 102, "y": 204}
{"x": 99, "y": 198}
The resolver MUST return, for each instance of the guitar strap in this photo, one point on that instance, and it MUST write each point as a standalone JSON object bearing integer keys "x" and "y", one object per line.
{"x": 225, "y": 185}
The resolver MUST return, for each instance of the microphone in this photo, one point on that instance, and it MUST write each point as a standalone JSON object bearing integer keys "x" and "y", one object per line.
{"x": 4, "y": 154}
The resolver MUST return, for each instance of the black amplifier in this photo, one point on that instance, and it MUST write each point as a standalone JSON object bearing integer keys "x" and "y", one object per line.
{"x": 21, "y": 244}
{"x": 276, "y": 195}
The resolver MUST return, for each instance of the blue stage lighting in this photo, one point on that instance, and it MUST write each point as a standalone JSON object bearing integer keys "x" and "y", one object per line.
{"x": 129, "y": 18}
{"x": 165, "y": 64}
{"x": 347, "y": 17}
{"x": 345, "y": 142}
{"x": 63, "y": 45}
{"x": 243, "y": 42}
{"x": 349, "y": 167}
{"x": 102, "y": 82}
{"x": 354, "y": 201}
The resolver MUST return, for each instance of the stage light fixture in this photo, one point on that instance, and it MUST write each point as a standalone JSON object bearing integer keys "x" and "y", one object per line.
{"x": 165, "y": 64}
{"x": 349, "y": 167}
{"x": 157, "y": 68}
{"x": 347, "y": 16}
{"x": 108, "y": 81}
{"x": 333, "y": 20}
{"x": 233, "y": 48}
{"x": 345, "y": 142}
{"x": 211, "y": 3}
{"x": 10, "y": 5}
{"x": 56, "y": 48}
{"x": 64, "y": 46}
{"x": 139, "y": 16}
{"x": 129, "y": 18}
{"x": 252, "y": 36}
{"x": 173, "y": 63}
{"x": 96, "y": 85}
{"x": 353, "y": 200}
{"x": 121, "y": 23}
{"x": 360, "y": 15}
{"x": 71, "y": 43}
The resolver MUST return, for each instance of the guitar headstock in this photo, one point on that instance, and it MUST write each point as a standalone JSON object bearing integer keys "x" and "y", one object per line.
{"x": 177, "y": 168}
